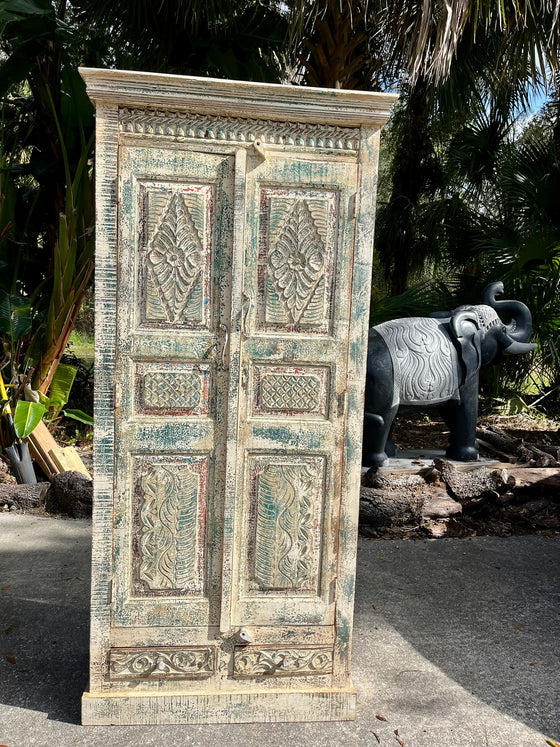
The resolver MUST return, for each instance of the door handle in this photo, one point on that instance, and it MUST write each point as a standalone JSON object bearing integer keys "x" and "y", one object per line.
{"x": 224, "y": 344}
{"x": 247, "y": 306}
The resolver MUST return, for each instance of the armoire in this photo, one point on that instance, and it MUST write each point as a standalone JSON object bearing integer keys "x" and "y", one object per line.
{"x": 234, "y": 240}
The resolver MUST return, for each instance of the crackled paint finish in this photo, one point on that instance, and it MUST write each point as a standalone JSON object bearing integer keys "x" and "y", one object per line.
{"x": 234, "y": 240}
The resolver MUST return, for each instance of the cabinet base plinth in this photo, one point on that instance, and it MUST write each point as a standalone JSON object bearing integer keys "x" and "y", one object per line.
{"x": 218, "y": 707}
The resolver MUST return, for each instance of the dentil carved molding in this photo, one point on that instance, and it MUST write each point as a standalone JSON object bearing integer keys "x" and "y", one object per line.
{"x": 237, "y": 129}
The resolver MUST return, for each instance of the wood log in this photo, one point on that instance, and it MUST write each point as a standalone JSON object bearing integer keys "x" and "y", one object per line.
{"x": 531, "y": 479}
{"x": 506, "y": 447}
{"x": 535, "y": 456}
{"x": 553, "y": 450}
{"x": 509, "y": 458}
{"x": 388, "y": 508}
{"x": 72, "y": 494}
{"x": 439, "y": 505}
{"x": 24, "y": 497}
{"x": 468, "y": 485}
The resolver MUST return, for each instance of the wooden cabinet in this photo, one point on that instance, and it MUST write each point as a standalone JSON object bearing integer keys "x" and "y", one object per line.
{"x": 234, "y": 243}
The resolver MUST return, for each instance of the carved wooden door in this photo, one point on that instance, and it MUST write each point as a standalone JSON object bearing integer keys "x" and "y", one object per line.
{"x": 299, "y": 245}
{"x": 175, "y": 247}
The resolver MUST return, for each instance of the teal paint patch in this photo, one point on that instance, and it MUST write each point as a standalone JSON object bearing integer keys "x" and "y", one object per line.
{"x": 299, "y": 438}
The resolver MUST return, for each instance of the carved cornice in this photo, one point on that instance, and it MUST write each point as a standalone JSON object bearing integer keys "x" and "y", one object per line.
{"x": 232, "y": 98}
{"x": 179, "y": 125}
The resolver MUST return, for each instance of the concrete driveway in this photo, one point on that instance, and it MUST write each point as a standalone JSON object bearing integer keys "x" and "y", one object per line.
{"x": 456, "y": 644}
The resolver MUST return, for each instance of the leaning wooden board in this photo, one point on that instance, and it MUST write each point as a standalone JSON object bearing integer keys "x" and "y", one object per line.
{"x": 51, "y": 457}
{"x": 233, "y": 266}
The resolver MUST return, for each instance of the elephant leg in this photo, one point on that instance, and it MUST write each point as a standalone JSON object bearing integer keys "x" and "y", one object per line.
{"x": 376, "y": 432}
{"x": 461, "y": 419}
{"x": 390, "y": 448}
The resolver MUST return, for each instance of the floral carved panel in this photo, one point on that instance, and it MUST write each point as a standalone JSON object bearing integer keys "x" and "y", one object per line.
{"x": 255, "y": 661}
{"x": 176, "y": 254}
{"x": 286, "y": 513}
{"x": 161, "y": 663}
{"x": 297, "y": 237}
{"x": 170, "y": 525}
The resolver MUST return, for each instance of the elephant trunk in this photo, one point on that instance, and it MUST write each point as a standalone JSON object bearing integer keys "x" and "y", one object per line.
{"x": 521, "y": 325}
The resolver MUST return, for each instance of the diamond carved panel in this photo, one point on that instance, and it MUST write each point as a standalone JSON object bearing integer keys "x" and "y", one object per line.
{"x": 176, "y": 253}
{"x": 286, "y": 513}
{"x": 297, "y": 231}
{"x": 170, "y": 525}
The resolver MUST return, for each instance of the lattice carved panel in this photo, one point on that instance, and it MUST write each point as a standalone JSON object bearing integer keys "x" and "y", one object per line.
{"x": 176, "y": 230}
{"x": 286, "y": 514}
{"x": 291, "y": 390}
{"x": 172, "y": 389}
{"x": 297, "y": 235}
{"x": 170, "y": 525}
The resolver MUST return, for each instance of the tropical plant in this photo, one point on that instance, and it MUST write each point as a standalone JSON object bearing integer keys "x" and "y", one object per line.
{"x": 46, "y": 203}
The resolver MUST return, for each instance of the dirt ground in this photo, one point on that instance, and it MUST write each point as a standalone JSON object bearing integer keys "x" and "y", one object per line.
{"x": 420, "y": 430}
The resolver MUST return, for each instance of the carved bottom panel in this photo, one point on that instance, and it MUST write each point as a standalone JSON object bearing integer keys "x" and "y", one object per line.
{"x": 170, "y": 525}
{"x": 253, "y": 661}
{"x": 286, "y": 511}
{"x": 168, "y": 663}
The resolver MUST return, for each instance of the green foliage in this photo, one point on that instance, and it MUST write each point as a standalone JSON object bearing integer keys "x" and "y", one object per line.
{"x": 15, "y": 315}
{"x": 46, "y": 139}
{"x": 239, "y": 39}
{"x": 468, "y": 194}
{"x": 27, "y": 417}
{"x": 46, "y": 200}
{"x": 61, "y": 385}
{"x": 79, "y": 415}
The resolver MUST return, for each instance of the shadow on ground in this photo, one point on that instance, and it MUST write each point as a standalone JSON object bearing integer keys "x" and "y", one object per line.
{"x": 44, "y": 619}
{"x": 483, "y": 610}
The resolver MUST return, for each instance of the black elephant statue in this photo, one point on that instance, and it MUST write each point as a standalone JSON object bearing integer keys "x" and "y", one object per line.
{"x": 435, "y": 361}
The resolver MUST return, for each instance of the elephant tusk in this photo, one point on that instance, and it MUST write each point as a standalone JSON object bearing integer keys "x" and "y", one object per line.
{"x": 519, "y": 348}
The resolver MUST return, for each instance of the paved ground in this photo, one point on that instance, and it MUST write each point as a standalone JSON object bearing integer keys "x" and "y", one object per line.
{"x": 456, "y": 644}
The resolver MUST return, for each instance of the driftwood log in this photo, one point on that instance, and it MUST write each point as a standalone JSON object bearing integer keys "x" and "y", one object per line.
{"x": 435, "y": 494}
{"x": 23, "y": 497}
{"x": 67, "y": 493}
{"x": 392, "y": 499}
{"x": 514, "y": 450}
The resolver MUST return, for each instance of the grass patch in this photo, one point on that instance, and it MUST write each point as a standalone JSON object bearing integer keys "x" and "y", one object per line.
{"x": 82, "y": 346}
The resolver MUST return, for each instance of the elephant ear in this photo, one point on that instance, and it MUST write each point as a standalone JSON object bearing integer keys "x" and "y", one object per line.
{"x": 465, "y": 326}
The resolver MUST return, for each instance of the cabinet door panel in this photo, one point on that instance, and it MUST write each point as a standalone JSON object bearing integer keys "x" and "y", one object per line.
{"x": 175, "y": 246}
{"x": 299, "y": 244}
